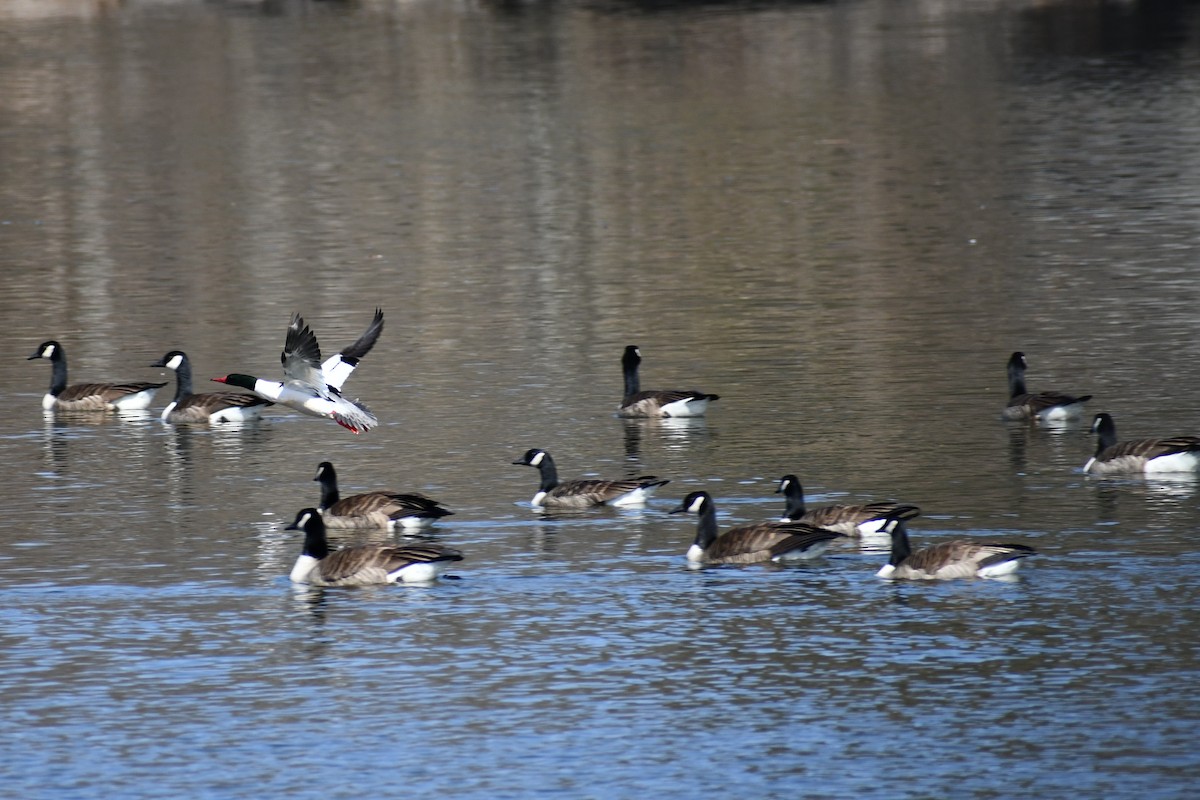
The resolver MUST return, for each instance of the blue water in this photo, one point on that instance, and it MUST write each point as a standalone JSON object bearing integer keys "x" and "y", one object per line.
{"x": 840, "y": 217}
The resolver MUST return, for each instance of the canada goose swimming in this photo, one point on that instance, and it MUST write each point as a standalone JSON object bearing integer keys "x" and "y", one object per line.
{"x": 1042, "y": 406}
{"x": 311, "y": 387}
{"x": 1149, "y": 456}
{"x": 209, "y": 406}
{"x": 852, "y": 520}
{"x": 754, "y": 543}
{"x": 947, "y": 560}
{"x": 364, "y": 564}
{"x": 373, "y": 509}
{"x": 668, "y": 403}
{"x": 133, "y": 396}
{"x": 586, "y": 492}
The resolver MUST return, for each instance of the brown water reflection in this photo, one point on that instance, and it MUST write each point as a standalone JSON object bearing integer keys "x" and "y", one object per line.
{"x": 842, "y": 217}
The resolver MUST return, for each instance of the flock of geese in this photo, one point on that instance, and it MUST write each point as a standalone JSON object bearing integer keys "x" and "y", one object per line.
{"x": 313, "y": 386}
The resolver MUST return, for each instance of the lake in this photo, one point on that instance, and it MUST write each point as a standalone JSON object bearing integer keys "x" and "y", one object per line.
{"x": 842, "y": 217}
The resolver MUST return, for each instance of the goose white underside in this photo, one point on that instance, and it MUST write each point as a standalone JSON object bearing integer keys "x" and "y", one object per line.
{"x": 1061, "y": 413}
{"x": 138, "y": 401}
{"x": 1001, "y": 570}
{"x": 234, "y": 414}
{"x": 412, "y": 523}
{"x": 695, "y": 554}
{"x": 803, "y": 554}
{"x": 637, "y": 497}
{"x": 425, "y": 572}
{"x": 421, "y": 572}
{"x": 1175, "y": 463}
{"x": 686, "y": 408}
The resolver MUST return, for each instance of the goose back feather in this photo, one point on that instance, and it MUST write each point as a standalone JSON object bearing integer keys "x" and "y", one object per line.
{"x": 750, "y": 544}
{"x": 1153, "y": 455}
{"x": 585, "y": 492}
{"x": 374, "y": 509}
{"x": 853, "y": 520}
{"x": 662, "y": 403}
{"x": 1045, "y": 406}
{"x": 363, "y": 565}
{"x": 208, "y": 406}
{"x": 949, "y": 560}
{"x": 127, "y": 396}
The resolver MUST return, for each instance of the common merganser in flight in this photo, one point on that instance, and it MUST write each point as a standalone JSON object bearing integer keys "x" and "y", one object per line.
{"x": 312, "y": 387}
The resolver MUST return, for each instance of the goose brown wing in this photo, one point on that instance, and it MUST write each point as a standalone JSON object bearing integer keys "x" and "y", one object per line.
{"x": 1151, "y": 448}
{"x": 397, "y": 557}
{"x": 211, "y": 402}
{"x": 105, "y": 391}
{"x": 961, "y": 558}
{"x": 765, "y": 540}
{"x": 390, "y": 503}
{"x": 1037, "y": 402}
{"x": 666, "y": 396}
{"x": 800, "y": 536}
{"x": 853, "y": 515}
{"x": 598, "y": 491}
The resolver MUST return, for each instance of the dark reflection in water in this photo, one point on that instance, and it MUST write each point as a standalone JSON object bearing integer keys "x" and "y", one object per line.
{"x": 841, "y": 217}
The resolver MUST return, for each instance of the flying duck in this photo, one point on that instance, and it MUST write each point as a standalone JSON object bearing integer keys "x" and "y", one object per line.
{"x": 668, "y": 403}
{"x": 209, "y": 406}
{"x": 585, "y": 493}
{"x": 133, "y": 396}
{"x": 373, "y": 509}
{"x": 852, "y": 520}
{"x": 1149, "y": 456}
{"x": 364, "y": 564}
{"x": 754, "y": 543}
{"x": 1040, "y": 406}
{"x": 311, "y": 387}
{"x": 947, "y": 560}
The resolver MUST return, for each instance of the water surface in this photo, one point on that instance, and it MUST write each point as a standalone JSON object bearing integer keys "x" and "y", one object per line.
{"x": 842, "y": 217}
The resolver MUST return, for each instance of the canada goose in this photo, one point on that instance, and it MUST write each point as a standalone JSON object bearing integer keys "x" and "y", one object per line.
{"x": 750, "y": 544}
{"x": 133, "y": 396}
{"x": 585, "y": 493}
{"x": 373, "y": 509}
{"x": 947, "y": 560}
{"x": 852, "y": 520}
{"x": 209, "y": 406}
{"x": 669, "y": 403}
{"x": 1150, "y": 456}
{"x": 1042, "y": 406}
{"x": 364, "y": 564}
{"x": 312, "y": 387}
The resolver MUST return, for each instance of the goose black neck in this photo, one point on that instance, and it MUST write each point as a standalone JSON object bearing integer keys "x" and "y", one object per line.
{"x": 1106, "y": 433}
{"x": 706, "y": 526}
{"x": 58, "y": 371}
{"x": 794, "y": 494}
{"x": 183, "y": 379}
{"x": 901, "y": 549}
{"x": 629, "y": 364}
{"x": 1016, "y": 378}
{"x": 315, "y": 544}
{"x": 329, "y": 488}
{"x": 549, "y": 473}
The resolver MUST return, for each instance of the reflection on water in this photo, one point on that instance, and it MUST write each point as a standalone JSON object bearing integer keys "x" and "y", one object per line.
{"x": 841, "y": 217}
